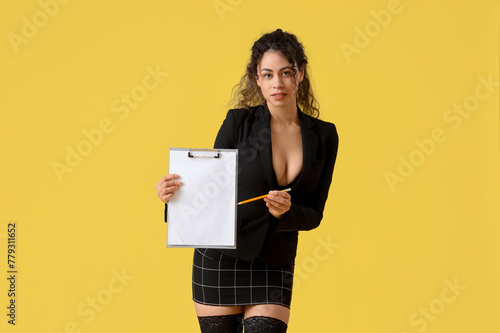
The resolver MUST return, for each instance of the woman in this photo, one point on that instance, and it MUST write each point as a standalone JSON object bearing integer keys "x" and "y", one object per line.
{"x": 281, "y": 144}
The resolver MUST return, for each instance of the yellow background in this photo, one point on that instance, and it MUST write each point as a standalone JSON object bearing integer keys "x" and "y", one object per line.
{"x": 394, "y": 250}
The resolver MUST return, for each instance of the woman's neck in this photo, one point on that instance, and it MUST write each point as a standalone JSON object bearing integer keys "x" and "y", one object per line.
{"x": 284, "y": 115}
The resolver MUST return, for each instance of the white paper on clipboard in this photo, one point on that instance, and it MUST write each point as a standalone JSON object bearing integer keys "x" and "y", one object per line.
{"x": 202, "y": 213}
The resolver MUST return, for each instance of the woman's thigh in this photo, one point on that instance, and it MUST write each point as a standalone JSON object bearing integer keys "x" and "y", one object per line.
{"x": 268, "y": 310}
{"x": 203, "y": 310}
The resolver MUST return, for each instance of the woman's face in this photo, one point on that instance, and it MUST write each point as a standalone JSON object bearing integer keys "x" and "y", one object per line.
{"x": 274, "y": 77}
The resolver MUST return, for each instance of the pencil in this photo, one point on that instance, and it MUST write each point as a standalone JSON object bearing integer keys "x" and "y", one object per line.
{"x": 261, "y": 197}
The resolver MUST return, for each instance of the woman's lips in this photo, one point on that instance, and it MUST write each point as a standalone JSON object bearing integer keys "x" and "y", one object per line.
{"x": 279, "y": 96}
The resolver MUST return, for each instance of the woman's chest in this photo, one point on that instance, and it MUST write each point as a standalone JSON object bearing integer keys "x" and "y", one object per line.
{"x": 287, "y": 154}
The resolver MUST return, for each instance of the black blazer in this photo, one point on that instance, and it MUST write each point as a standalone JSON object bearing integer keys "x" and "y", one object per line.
{"x": 259, "y": 234}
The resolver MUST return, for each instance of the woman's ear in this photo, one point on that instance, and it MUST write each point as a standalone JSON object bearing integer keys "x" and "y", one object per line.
{"x": 302, "y": 72}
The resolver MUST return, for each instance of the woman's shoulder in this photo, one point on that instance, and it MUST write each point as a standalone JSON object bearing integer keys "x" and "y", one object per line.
{"x": 323, "y": 125}
{"x": 244, "y": 112}
{"x": 242, "y": 115}
{"x": 325, "y": 130}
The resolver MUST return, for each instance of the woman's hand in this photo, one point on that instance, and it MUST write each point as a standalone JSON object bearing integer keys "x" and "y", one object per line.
{"x": 167, "y": 186}
{"x": 278, "y": 203}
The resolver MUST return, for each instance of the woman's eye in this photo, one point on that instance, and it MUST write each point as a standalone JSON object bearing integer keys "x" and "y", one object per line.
{"x": 267, "y": 75}
{"x": 285, "y": 73}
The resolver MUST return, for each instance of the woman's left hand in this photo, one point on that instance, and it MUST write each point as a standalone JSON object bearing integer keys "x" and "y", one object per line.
{"x": 278, "y": 203}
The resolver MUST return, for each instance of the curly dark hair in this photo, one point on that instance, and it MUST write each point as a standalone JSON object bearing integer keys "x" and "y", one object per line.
{"x": 247, "y": 93}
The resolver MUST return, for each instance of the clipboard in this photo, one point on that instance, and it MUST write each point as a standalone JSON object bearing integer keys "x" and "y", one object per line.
{"x": 202, "y": 213}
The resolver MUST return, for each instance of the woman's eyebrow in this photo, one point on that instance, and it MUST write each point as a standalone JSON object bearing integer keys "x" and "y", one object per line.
{"x": 270, "y": 70}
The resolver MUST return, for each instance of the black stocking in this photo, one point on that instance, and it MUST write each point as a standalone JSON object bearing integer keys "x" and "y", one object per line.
{"x": 261, "y": 324}
{"x": 221, "y": 324}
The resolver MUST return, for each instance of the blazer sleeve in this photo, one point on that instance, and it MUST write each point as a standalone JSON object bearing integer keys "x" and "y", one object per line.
{"x": 226, "y": 136}
{"x": 225, "y": 139}
{"x": 307, "y": 214}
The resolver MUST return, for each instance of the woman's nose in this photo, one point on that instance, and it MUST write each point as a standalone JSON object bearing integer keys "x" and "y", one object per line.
{"x": 277, "y": 83}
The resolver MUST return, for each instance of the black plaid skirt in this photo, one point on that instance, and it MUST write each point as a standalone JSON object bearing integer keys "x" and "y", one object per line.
{"x": 224, "y": 281}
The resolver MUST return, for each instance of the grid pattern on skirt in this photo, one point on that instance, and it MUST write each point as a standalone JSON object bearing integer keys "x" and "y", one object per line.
{"x": 225, "y": 281}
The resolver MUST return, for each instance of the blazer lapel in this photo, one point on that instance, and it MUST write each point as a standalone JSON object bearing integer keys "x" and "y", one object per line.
{"x": 262, "y": 132}
{"x": 309, "y": 145}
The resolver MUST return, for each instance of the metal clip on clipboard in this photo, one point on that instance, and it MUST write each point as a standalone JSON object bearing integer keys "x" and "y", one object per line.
{"x": 205, "y": 153}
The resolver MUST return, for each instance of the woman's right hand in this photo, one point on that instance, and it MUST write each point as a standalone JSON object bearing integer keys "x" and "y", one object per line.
{"x": 166, "y": 187}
